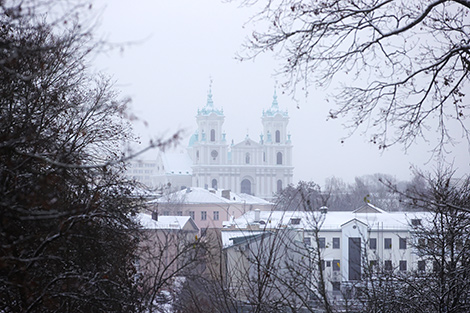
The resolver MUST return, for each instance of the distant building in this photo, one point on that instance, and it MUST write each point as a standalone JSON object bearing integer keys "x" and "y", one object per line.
{"x": 346, "y": 244}
{"x": 165, "y": 249}
{"x": 209, "y": 208}
{"x": 259, "y": 168}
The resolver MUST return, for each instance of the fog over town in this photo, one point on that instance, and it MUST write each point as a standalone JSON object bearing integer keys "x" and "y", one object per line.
{"x": 267, "y": 156}
{"x": 177, "y": 47}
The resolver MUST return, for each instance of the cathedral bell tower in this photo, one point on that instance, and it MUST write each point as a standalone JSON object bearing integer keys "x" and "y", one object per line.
{"x": 277, "y": 145}
{"x": 208, "y": 147}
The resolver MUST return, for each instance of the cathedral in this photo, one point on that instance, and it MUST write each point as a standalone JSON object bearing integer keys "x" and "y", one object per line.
{"x": 258, "y": 168}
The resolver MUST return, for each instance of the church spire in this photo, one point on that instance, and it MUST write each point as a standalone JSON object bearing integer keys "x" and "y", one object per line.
{"x": 210, "y": 102}
{"x": 275, "y": 105}
{"x": 209, "y": 107}
{"x": 274, "y": 109}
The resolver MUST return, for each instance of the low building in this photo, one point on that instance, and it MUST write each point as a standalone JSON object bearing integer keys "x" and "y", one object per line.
{"x": 208, "y": 207}
{"x": 166, "y": 249}
{"x": 345, "y": 245}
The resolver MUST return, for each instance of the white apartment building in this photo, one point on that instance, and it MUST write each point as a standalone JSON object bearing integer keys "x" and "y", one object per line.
{"x": 346, "y": 242}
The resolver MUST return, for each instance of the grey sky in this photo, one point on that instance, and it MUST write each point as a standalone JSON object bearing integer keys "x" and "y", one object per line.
{"x": 183, "y": 43}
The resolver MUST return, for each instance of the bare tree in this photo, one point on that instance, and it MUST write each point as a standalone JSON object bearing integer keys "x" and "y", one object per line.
{"x": 168, "y": 255}
{"x": 439, "y": 280}
{"x": 67, "y": 239}
{"x": 405, "y": 62}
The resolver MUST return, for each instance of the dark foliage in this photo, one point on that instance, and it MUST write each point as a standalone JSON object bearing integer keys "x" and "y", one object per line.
{"x": 66, "y": 235}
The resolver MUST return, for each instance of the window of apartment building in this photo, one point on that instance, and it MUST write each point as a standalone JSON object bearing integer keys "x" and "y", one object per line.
{"x": 402, "y": 243}
{"x": 179, "y": 213}
{"x": 322, "y": 262}
{"x": 307, "y": 241}
{"x": 416, "y": 222}
{"x": 328, "y": 263}
{"x": 336, "y": 265}
{"x": 388, "y": 243}
{"x": 336, "y": 285}
{"x": 373, "y": 243}
{"x": 336, "y": 243}
{"x": 388, "y": 265}
{"x": 322, "y": 242}
{"x": 203, "y": 215}
{"x": 166, "y": 213}
{"x": 421, "y": 265}
{"x": 372, "y": 264}
{"x": 191, "y": 214}
{"x": 402, "y": 265}
{"x": 216, "y": 215}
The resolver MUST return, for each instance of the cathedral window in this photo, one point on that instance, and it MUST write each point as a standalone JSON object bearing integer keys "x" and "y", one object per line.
{"x": 279, "y": 158}
{"x": 279, "y": 185}
{"x": 212, "y": 134}
{"x": 197, "y": 155}
{"x": 214, "y": 154}
{"x": 278, "y": 136}
{"x": 214, "y": 183}
{"x": 247, "y": 158}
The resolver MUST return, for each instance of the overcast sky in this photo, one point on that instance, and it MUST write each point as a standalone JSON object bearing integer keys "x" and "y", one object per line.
{"x": 180, "y": 44}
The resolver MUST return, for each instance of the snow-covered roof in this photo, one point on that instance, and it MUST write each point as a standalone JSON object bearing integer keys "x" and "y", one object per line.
{"x": 331, "y": 220}
{"x": 164, "y": 222}
{"x": 177, "y": 163}
{"x": 246, "y": 225}
{"x": 197, "y": 195}
{"x": 227, "y": 237}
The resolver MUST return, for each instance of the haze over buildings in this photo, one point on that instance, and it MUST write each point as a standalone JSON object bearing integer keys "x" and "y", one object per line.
{"x": 179, "y": 45}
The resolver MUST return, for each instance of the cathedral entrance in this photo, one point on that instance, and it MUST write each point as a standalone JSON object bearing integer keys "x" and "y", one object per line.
{"x": 246, "y": 186}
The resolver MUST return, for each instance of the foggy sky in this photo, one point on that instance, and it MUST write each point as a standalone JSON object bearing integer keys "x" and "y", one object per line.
{"x": 178, "y": 45}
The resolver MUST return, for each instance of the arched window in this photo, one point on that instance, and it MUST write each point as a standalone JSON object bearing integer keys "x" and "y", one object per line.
{"x": 247, "y": 158}
{"x": 214, "y": 183}
{"x": 278, "y": 136}
{"x": 279, "y": 185}
{"x": 246, "y": 186}
{"x": 279, "y": 158}
{"x": 212, "y": 134}
{"x": 197, "y": 154}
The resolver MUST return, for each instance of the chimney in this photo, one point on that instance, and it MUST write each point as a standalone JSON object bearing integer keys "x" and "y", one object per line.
{"x": 257, "y": 215}
{"x": 226, "y": 194}
{"x": 155, "y": 215}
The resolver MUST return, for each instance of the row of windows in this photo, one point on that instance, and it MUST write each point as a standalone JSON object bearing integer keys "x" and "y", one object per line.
{"x": 402, "y": 244}
{"x": 214, "y": 155}
{"x": 387, "y": 243}
{"x": 322, "y": 242}
{"x": 388, "y": 266}
{"x": 215, "y": 216}
{"x": 336, "y": 264}
{"x": 278, "y": 158}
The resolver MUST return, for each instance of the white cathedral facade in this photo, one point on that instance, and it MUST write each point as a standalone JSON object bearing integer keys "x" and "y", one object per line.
{"x": 259, "y": 168}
